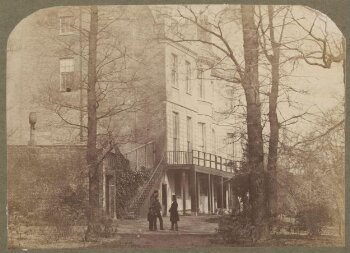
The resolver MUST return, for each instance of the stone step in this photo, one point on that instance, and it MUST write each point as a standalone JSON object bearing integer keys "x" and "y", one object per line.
{"x": 131, "y": 216}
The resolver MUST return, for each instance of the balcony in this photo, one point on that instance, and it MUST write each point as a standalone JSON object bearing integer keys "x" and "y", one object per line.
{"x": 203, "y": 159}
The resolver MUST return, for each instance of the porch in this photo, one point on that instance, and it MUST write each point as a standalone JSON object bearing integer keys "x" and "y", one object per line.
{"x": 201, "y": 181}
{"x": 203, "y": 159}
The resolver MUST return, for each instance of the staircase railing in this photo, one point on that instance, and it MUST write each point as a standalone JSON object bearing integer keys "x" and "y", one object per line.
{"x": 141, "y": 156}
{"x": 144, "y": 187}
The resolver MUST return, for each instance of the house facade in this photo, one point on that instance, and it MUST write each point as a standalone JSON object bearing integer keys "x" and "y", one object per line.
{"x": 177, "y": 135}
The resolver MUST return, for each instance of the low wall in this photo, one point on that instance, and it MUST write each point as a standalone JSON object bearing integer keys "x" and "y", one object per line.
{"x": 41, "y": 179}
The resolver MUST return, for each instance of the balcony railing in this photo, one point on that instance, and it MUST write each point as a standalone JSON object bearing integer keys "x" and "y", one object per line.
{"x": 141, "y": 156}
{"x": 204, "y": 159}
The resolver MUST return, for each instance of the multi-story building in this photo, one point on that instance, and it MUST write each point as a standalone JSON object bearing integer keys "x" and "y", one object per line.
{"x": 177, "y": 135}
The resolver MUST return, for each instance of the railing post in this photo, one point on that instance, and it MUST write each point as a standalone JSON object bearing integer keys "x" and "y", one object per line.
{"x": 216, "y": 162}
{"x": 198, "y": 157}
{"x": 205, "y": 158}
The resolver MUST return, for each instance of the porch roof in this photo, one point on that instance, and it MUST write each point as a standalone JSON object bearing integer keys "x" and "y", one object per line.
{"x": 200, "y": 169}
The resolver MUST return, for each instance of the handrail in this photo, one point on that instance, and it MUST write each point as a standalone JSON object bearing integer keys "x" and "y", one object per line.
{"x": 139, "y": 147}
{"x": 141, "y": 190}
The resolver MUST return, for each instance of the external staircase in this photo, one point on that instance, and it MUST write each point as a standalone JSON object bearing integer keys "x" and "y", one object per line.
{"x": 144, "y": 192}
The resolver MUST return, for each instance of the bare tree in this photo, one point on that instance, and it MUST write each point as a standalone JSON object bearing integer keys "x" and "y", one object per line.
{"x": 280, "y": 53}
{"x": 250, "y": 83}
{"x": 92, "y": 155}
{"x": 274, "y": 60}
{"x": 247, "y": 75}
{"x": 115, "y": 86}
{"x": 317, "y": 164}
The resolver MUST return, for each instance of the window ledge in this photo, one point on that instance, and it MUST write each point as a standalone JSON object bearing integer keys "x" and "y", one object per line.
{"x": 204, "y": 100}
{"x": 66, "y": 33}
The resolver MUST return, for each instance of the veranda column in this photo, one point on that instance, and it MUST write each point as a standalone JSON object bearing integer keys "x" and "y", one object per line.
{"x": 222, "y": 192}
{"x": 209, "y": 194}
{"x": 198, "y": 193}
{"x": 229, "y": 205}
{"x": 183, "y": 183}
{"x": 212, "y": 179}
{"x": 193, "y": 190}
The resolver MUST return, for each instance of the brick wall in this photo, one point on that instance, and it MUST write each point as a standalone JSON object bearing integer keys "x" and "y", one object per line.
{"x": 38, "y": 174}
{"x": 34, "y": 74}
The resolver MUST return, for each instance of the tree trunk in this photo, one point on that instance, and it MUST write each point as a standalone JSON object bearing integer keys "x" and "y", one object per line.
{"x": 250, "y": 82}
{"x": 92, "y": 156}
{"x": 273, "y": 119}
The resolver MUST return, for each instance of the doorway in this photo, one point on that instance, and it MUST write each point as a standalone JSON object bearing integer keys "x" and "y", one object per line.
{"x": 164, "y": 199}
{"x": 108, "y": 194}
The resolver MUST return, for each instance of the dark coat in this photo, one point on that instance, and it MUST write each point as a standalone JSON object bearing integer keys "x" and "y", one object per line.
{"x": 156, "y": 206}
{"x": 174, "y": 215}
{"x": 151, "y": 200}
{"x": 150, "y": 215}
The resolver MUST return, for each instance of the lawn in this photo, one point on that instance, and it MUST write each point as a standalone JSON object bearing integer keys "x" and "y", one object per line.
{"x": 194, "y": 231}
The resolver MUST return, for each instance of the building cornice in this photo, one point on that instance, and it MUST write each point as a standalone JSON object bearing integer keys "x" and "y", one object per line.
{"x": 181, "y": 47}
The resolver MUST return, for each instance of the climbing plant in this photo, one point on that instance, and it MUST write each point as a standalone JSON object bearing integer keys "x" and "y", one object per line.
{"x": 127, "y": 183}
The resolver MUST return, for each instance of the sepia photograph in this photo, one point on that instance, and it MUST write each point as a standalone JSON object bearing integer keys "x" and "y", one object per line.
{"x": 175, "y": 126}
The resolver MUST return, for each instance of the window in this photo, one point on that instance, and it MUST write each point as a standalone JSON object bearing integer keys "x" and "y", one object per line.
{"x": 67, "y": 74}
{"x": 201, "y": 84}
{"x": 189, "y": 134}
{"x": 174, "y": 71}
{"x": 201, "y": 33}
{"x": 188, "y": 78}
{"x": 176, "y": 143}
{"x": 212, "y": 89}
{"x": 230, "y": 145}
{"x": 66, "y": 25}
{"x": 214, "y": 140}
{"x": 201, "y": 133}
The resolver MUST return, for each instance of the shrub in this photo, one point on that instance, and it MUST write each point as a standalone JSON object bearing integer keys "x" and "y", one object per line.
{"x": 313, "y": 219}
{"x": 66, "y": 209}
{"x": 235, "y": 228}
{"x": 108, "y": 226}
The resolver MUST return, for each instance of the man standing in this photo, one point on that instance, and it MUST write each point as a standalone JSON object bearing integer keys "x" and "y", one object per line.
{"x": 153, "y": 197}
{"x": 157, "y": 213}
{"x": 174, "y": 215}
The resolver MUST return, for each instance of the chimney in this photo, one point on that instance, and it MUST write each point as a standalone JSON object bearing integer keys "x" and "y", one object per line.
{"x": 32, "y": 122}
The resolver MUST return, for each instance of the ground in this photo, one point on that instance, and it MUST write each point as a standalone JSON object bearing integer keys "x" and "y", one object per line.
{"x": 187, "y": 225}
{"x": 194, "y": 231}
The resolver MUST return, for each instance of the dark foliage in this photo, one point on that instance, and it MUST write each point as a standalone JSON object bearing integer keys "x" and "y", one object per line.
{"x": 313, "y": 219}
{"x": 127, "y": 183}
{"x": 236, "y": 228}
